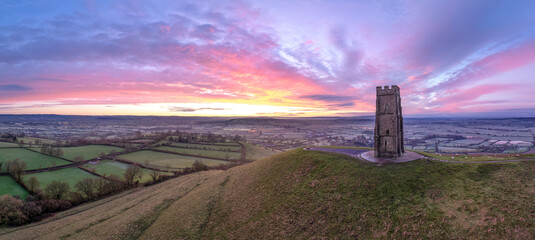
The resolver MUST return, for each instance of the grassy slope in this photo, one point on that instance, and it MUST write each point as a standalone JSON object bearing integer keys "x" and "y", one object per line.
{"x": 33, "y": 160}
{"x": 307, "y": 194}
{"x": 123, "y": 216}
{"x": 9, "y": 186}
{"x": 88, "y": 152}
{"x": 164, "y": 159}
{"x": 70, "y": 175}
{"x": 254, "y": 152}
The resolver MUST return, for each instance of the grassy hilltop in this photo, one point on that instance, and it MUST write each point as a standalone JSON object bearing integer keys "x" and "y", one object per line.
{"x": 309, "y": 194}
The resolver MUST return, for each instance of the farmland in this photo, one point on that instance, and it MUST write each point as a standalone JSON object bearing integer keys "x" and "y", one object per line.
{"x": 32, "y": 140}
{"x": 32, "y": 159}
{"x": 202, "y": 153}
{"x": 7, "y": 144}
{"x": 288, "y": 191}
{"x": 9, "y": 186}
{"x": 152, "y": 159}
{"x": 108, "y": 168}
{"x": 88, "y": 152}
{"x": 69, "y": 175}
{"x": 164, "y": 160}
{"x": 219, "y": 147}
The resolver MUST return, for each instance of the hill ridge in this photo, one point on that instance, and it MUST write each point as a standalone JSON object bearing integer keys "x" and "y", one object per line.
{"x": 309, "y": 194}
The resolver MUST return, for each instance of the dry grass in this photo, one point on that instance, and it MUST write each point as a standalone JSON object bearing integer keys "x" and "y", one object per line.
{"x": 304, "y": 194}
{"x": 110, "y": 218}
{"x": 254, "y": 152}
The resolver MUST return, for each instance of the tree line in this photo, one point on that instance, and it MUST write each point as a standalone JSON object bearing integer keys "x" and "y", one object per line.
{"x": 58, "y": 196}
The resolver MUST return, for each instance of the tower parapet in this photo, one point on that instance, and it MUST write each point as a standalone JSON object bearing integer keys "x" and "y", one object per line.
{"x": 387, "y": 90}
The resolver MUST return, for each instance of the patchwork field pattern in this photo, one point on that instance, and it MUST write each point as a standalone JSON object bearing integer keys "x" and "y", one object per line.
{"x": 88, "y": 152}
{"x": 109, "y": 167}
{"x": 229, "y": 146}
{"x": 202, "y": 153}
{"x": 32, "y": 159}
{"x": 164, "y": 160}
{"x": 69, "y": 175}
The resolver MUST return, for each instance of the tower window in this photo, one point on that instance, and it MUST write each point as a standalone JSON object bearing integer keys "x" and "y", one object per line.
{"x": 385, "y": 143}
{"x": 387, "y": 132}
{"x": 386, "y": 108}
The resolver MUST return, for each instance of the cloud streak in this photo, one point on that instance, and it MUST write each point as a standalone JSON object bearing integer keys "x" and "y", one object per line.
{"x": 445, "y": 55}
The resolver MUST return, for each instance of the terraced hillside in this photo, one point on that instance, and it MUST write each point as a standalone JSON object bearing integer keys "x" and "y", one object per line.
{"x": 122, "y": 216}
{"x": 308, "y": 194}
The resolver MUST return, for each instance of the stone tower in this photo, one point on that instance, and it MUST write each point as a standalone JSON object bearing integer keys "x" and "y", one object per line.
{"x": 388, "y": 123}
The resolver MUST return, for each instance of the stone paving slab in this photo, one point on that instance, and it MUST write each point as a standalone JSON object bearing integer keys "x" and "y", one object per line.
{"x": 407, "y": 157}
{"x": 368, "y": 155}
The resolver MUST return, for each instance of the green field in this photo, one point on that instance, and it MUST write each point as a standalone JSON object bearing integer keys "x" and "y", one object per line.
{"x": 202, "y": 153}
{"x": 88, "y": 152}
{"x": 228, "y": 143}
{"x": 7, "y": 144}
{"x": 32, "y": 139}
{"x": 9, "y": 186}
{"x": 109, "y": 167}
{"x": 165, "y": 159}
{"x": 69, "y": 175}
{"x": 32, "y": 159}
{"x": 230, "y": 147}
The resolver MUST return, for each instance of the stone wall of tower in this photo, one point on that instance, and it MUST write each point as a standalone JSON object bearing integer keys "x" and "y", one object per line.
{"x": 388, "y": 134}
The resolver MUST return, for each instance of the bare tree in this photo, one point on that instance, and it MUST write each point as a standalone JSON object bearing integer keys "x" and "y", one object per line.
{"x": 154, "y": 175}
{"x": 33, "y": 184}
{"x": 133, "y": 174}
{"x": 102, "y": 187}
{"x": 115, "y": 183}
{"x": 57, "y": 189}
{"x": 16, "y": 169}
{"x": 198, "y": 165}
{"x": 79, "y": 159}
{"x": 87, "y": 186}
{"x": 58, "y": 152}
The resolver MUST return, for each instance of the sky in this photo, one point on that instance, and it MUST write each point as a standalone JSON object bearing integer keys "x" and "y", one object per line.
{"x": 266, "y": 58}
